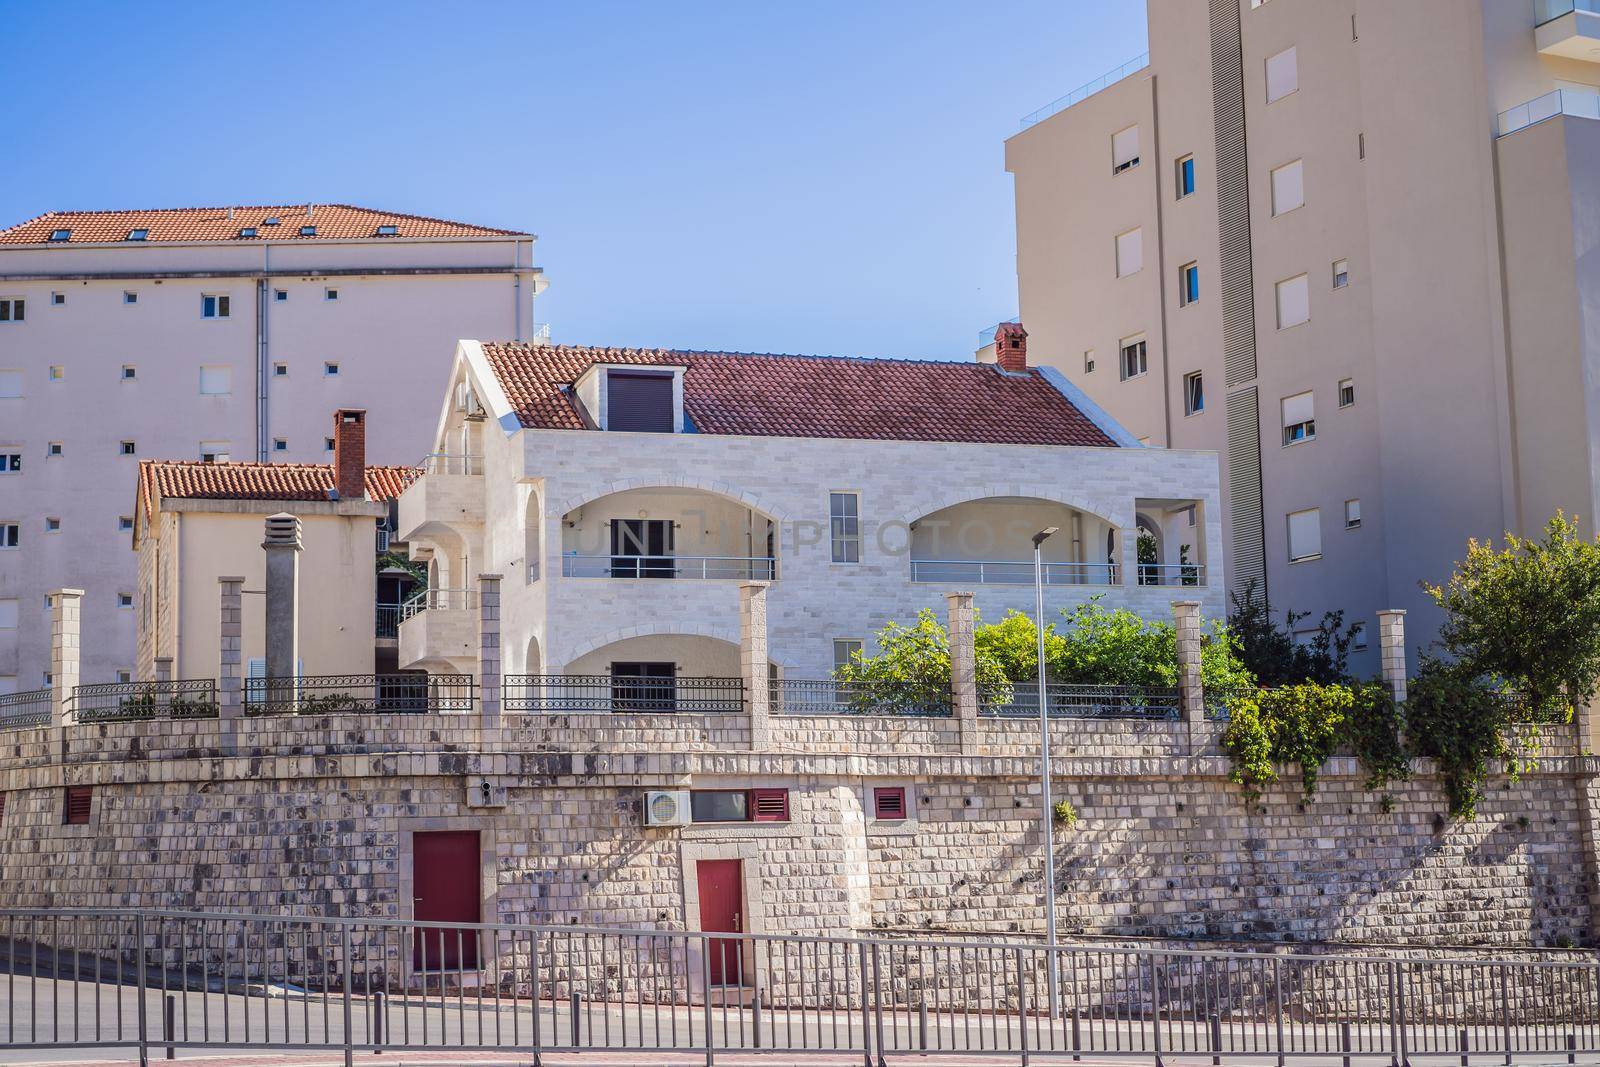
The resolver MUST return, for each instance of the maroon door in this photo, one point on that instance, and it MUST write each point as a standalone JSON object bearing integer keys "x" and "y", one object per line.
{"x": 721, "y": 910}
{"x": 445, "y": 879}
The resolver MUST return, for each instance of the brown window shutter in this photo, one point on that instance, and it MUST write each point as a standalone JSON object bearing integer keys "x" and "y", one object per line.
{"x": 640, "y": 401}
{"x": 769, "y": 805}
{"x": 80, "y": 802}
{"x": 889, "y": 802}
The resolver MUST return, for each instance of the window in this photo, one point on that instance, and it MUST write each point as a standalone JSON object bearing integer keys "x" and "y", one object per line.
{"x": 10, "y": 383}
{"x": 1283, "y": 75}
{"x": 214, "y": 306}
{"x": 308, "y": 231}
{"x": 719, "y": 805}
{"x": 1133, "y": 359}
{"x": 1124, "y": 150}
{"x": 10, "y": 534}
{"x": 388, "y": 231}
{"x": 280, "y": 295}
{"x": 330, "y": 294}
{"x": 127, "y": 448}
{"x": 280, "y": 444}
{"x": 1288, "y": 187}
{"x": 214, "y": 451}
{"x": 124, "y": 523}
{"x": 54, "y": 448}
{"x": 124, "y": 600}
{"x": 327, "y": 444}
{"x": 1294, "y": 302}
{"x": 1130, "y": 252}
{"x": 844, "y": 527}
{"x": 844, "y": 650}
{"x": 247, "y": 231}
{"x": 1352, "y": 514}
{"x": 13, "y": 309}
{"x": 52, "y": 524}
{"x": 1341, "y": 273}
{"x": 1194, "y": 393}
{"x": 58, "y": 373}
{"x": 60, "y": 235}
{"x": 130, "y": 297}
{"x": 280, "y": 370}
{"x": 330, "y": 369}
{"x": 272, "y": 221}
{"x": 77, "y": 804}
{"x": 124, "y": 676}
{"x": 642, "y": 548}
{"x": 216, "y": 381}
{"x": 889, "y": 802}
{"x": 1188, "y": 284}
{"x": 8, "y": 613}
{"x": 1299, "y": 421}
{"x": 58, "y": 299}
{"x": 1185, "y": 181}
{"x": 1088, "y": 361}
{"x": 639, "y": 401}
{"x": 1361, "y": 146}
{"x": 1347, "y": 392}
{"x": 138, "y": 235}
{"x": 10, "y": 462}
{"x": 1305, "y": 534}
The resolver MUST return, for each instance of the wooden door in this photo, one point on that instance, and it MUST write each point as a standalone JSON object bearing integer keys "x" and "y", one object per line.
{"x": 446, "y": 869}
{"x": 722, "y": 910}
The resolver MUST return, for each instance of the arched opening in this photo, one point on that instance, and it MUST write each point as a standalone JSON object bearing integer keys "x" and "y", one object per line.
{"x": 533, "y": 660}
{"x": 1171, "y": 545}
{"x": 990, "y": 541}
{"x": 1148, "y": 550}
{"x": 533, "y": 535}
{"x": 668, "y": 532}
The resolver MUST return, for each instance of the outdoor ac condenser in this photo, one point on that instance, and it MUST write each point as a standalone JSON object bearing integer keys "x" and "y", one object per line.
{"x": 666, "y": 807}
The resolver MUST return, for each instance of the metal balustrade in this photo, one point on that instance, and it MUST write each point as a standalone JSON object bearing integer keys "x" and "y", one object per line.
{"x": 21, "y": 710}
{"x": 829, "y": 696}
{"x": 188, "y": 698}
{"x": 1086, "y": 90}
{"x": 591, "y": 693}
{"x": 404, "y": 694}
{"x": 1011, "y": 572}
{"x": 1171, "y": 573}
{"x": 744, "y": 568}
{"x": 1083, "y": 701}
{"x": 452, "y": 463}
{"x": 439, "y": 600}
{"x": 386, "y": 621}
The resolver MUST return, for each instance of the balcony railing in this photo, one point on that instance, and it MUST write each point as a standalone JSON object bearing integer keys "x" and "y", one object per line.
{"x": 1083, "y": 702}
{"x": 829, "y": 696}
{"x": 1086, "y": 90}
{"x": 1549, "y": 10}
{"x": 987, "y": 572}
{"x": 1172, "y": 573}
{"x": 21, "y": 710}
{"x": 439, "y": 600}
{"x": 605, "y": 693}
{"x": 404, "y": 694}
{"x": 189, "y": 698}
{"x": 387, "y": 621}
{"x": 452, "y": 463}
{"x": 753, "y": 568}
{"x": 1581, "y": 103}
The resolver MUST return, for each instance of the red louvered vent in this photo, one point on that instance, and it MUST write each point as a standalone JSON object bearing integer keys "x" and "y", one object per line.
{"x": 80, "y": 801}
{"x": 889, "y": 802}
{"x": 769, "y": 805}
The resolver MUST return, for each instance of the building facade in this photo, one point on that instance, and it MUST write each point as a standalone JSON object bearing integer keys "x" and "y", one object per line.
{"x": 1343, "y": 244}
{"x": 207, "y": 335}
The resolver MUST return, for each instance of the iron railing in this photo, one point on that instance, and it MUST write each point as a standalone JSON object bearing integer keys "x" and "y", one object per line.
{"x": 439, "y": 600}
{"x": 21, "y": 710}
{"x": 164, "y": 981}
{"x": 452, "y": 463}
{"x": 582, "y": 693}
{"x": 386, "y": 622}
{"x": 187, "y": 698}
{"x": 1171, "y": 573}
{"x": 1009, "y": 572}
{"x": 830, "y": 696}
{"x": 1086, "y": 90}
{"x": 745, "y": 568}
{"x": 406, "y": 694}
{"x": 1083, "y": 701}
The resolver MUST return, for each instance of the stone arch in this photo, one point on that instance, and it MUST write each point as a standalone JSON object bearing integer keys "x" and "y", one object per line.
{"x": 716, "y": 488}
{"x": 1114, "y": 511}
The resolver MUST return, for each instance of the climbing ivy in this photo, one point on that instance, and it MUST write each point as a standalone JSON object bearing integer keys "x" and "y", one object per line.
{"x": 1306, "y": 724}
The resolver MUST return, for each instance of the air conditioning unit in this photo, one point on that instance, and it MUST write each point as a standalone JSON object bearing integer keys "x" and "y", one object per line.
{"x": 666, "y": 807}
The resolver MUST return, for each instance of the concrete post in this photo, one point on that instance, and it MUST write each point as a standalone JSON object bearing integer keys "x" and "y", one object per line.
{"x": 489, "y": 679}
{"x": 753, "y": 659}
{"x": 1392, "y": 650}
{"x": 282, "y": 545}
{"x": 230, "y": 648}
{"x": 65, "y": 651}
{"x": 963, "y": 669}
{"x": 1191, "y": 693}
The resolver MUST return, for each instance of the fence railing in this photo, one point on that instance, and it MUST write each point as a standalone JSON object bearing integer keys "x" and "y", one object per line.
{"x": 159, "y": 981}
{"x": 1171, "y": 573}
{"x": 582, "y": 693}
{"x": 452, "y": 463}
{"x": 1011, "y": 572}
{"x": 386, "y": 622}
{"x": 829, "y": 696}
{"x": 412, "y": 694}
{"x": 21, "y": 710}
{"x": 1083, "y": 702}
{"x": 746, "y": 568}
{"x": 439, "y": 600}
{"x": 186, "y": 698}
{"x": 1086, "y": 90}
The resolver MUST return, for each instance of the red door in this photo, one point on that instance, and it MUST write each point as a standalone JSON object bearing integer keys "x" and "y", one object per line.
{"x": 446, "y": 866}
{"x": 722, "y": 910}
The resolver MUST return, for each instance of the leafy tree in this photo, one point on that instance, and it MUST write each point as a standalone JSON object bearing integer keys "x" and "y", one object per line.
{"x": 1271, "y": 653}
{"x": 1459, "y": 719}
{"x": 911, "y": 671}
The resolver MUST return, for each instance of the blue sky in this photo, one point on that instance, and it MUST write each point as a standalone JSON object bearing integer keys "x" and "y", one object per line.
{"x": 820, "y": 177}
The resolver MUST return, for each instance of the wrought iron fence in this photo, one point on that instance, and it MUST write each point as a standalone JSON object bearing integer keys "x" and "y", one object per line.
{"x": 21, "y": 710}
{"x": 582, "y": 693}
{"x": 404, "y": 694}
{"x": 830, "y": 696}
{"x": 187, "y": 698}
{"x": 167, "y": 981}
{"x": 1083, "y": 701}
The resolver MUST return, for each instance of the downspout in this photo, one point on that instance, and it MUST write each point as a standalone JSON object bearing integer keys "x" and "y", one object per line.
{"x": 262, "y": 428}
{"x": 516, "y": 285}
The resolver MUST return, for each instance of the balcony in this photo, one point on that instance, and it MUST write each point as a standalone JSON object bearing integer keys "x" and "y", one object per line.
{"x": 1567, "y": 28}
{"x": 1010, "y": 572}
{"x": 439, "y": 626}
{"x": 668, "y": 532}
{"x": 1579, "y": 103}
{"x": 447, "y": 498}
{"x": 753, "y": 568}
{"x": 407, "y": 694}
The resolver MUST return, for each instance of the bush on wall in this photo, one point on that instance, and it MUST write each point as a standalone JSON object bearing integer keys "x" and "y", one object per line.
{"x": 1306, "y": 724}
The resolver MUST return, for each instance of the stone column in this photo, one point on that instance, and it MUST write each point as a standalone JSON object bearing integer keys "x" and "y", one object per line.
{"x": 282, "y": 545}
{"x": 1191, "y": 694}
{"x": 753, "y": 659}
{"x": 963, "y": 669}
{"x": 230, "y": 648}
{"x": 489, "y": 650}
{"x": 65, "y": 651}
{"x": 1392, "y": 650}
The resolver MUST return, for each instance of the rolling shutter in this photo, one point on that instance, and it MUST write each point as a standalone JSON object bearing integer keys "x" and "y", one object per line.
{"x": 640, "y": 401}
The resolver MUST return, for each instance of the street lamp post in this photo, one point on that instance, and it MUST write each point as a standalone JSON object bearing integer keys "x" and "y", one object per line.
{"x": 1047, "y": 815}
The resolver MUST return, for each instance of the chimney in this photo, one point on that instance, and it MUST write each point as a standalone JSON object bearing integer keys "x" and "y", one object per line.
{"x": 350, "y": 453}
{"x": 282, "y": 545}
{"x": 1011, "y": 347}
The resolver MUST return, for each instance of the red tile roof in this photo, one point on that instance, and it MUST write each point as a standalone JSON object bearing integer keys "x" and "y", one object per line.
{"x": 811, "y": 396}
{"x": 340, "y": 221}
{"x": 192, "y": 480}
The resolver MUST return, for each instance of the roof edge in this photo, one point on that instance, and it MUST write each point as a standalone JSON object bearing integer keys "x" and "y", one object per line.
{"x": 1091, "y": 411}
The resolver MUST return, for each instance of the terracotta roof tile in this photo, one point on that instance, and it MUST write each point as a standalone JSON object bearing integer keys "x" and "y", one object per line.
{"x": 337, "y": 221}
{"x": 160, "y": 478}
{"x": 811, "y": 396}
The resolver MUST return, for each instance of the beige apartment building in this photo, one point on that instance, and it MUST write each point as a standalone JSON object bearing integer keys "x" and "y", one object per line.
{"x": 209, "y": 334}
{"x": 1343, "y": 242}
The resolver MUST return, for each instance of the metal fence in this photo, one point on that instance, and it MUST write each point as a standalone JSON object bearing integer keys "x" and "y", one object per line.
{"x": 186, "y": 698}
{"x": 1083, "y": 701}
{"x": 439, "y": 600}
{"x": 581, "y": 693}
{"x": 413, "y": 694}
{"x": 745, "y": 568}
{"x": 1008, "y": 572}
{"x": 830, "y": 696}
{"x": 160, "y": 980}
{"x": 20, "y": 710}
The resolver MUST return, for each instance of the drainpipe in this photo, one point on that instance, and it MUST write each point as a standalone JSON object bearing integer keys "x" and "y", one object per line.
{"x": 516, "y": 284}
{"x": 262, "y": 372}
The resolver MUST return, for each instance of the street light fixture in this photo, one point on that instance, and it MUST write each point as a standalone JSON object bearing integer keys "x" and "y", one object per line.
{"x": 1047, "y": 814}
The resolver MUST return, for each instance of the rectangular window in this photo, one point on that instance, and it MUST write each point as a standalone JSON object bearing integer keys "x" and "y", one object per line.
{"x": 130, "y": 297}
{"x": 844, "y": 651}
{"x": 10, "y": 383}
{"x": 1305, "y": 534}
{"x": 58, "y": 299}
{"x": 215, "y": 451}
{"x": 10, "y": 462}
{"x": 1288, "y": 187}
{"x": 327, "y": 444}
{"x": 77, "y": 804}
{"x": 308, "y": 231}
{"x": 1283, "y": 75}
{"x": 280, "y": 370}
{"x": 769, "y": 805}
{"x": 1347, "y": 392}
{"x": 13, "y": 309}
{"x": 1188, "y": 284}
{"x": 125, "y": 600}
{"x": 330, "y": 369}
{"x": 1130, "y": 252}
{"x": 1294, "y": 302}
{"x": 1352, "y": 514}
{"x": 1124, "y": 149}
{"x": 124, "y": 676}
{"x": 54, "y": 448}
{"x": 1088, "y": 361}
{"x": 1185, "y": 176}
{"x": 330, "y": 294}
{"x": 719, "y": 805}
{"x": 280, "y": 444}
{"x": 127, "y": 448}
{"x": 124, "y": 523}
{"x": 1134, "y": 358}
{"x": 1299, "y": 419}
{"x": 10, "y": 534}
{"x": 216, "y": 381}
{"x": 214, "y": 306}
{"x": 1341, "y": 273}
{"x": 642, "y": 548}
{"x": 58, "y": 373}
{"x": 8, "y": 613}
{"x": 129, "y": 372}
{"x": 844, "y": 527}
{"x": 52, "y": 524}
{"x": 1194, "y": 393}
{"x": 280, "y": 295}
{"x": 639, "y": 401}
{"x": 889, "y": 802}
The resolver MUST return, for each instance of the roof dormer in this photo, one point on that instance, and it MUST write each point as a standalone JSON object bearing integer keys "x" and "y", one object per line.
{"x": 631, "y": 397}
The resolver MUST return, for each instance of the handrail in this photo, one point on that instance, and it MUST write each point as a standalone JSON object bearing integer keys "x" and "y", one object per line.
{"x": 452, "y": 463}
{"x": 1086, "y": 90}
{"x": 745, "y": 568}
{"x": 1171, "y": 573}
{"x": 24, "y": 709}
{"x": 185, "y": 698}
{"x": 605, "y": 693}
{"x": 439, "y": 600}
{"x": 1011, "y": 572}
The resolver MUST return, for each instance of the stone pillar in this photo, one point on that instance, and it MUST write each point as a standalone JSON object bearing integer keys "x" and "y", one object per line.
{"x": 1392, "y": 650}
{"x": 65, "y": 651}
{"x": 489, "y": 678}
{"x": 963, "y": 669}
{"x": 282, "y": 545}
{"x": 230, "y": 648}
{"x": 753, "y": 659}
{"x": 1191, "y": 694}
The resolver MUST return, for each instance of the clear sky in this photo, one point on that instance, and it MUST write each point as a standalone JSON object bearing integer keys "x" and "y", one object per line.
{"x": 821, "y": 177}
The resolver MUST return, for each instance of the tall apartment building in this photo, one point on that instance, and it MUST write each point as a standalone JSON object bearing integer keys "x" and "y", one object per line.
{"x": 209, "y": 334}
{"x": 1342, "y": 242}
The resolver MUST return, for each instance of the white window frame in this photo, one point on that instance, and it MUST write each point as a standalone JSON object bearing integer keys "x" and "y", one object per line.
{"x": 1288, "y": 186}
{"x": 129, "y": 372}
{"x": 1184, "y": 273}
{"x": 330, "y": 293}
{"x": 218, "y": 451}
{"x": 120, "y": 605}
{"x": 1350, "y": 385}
{"x": 1341, "y": 274}
{"x": 1298, "y": 415}
{"x": 1177, "y": 176}
{"x": 58, "y": 299}
{"x": 130, "y": 296}
{"x": 124, "y": 523}
{"x": 226, "y": 373}
{"x": 1300, "y": 283}
{"x": 1352, "y": 515}
{"x": 1310, "y": 520}
{"x": 52, "y": 524}
{"x": 1129, "y": 261}
{"x": 57, "y": 372}
{"x": 220, "y": 304}
{"x": 127, "y": 448}
{"x": 1088, "y": 361}
{"x": 280, "y": 295}
{"x": 10, "y": 536}
{"x": 1293, "y": 71}
{"x": 1191, "y": 394}
{"x": 846, "y": 645}
{"x": 1142, "y": 357}
{"x": 280, "y": 444}
{"x": 12, "y": 304}
{"x": 844, "y": 530}
{"x": 10, "y": 460}
{"x": 54, "y": 449}
{"x": 1121, "y": 161}
{"x": 330, "y": 368}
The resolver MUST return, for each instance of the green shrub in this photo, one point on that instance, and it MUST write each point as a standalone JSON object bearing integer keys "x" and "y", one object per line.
{"x": 911, "y": 670}
{"x": 1305, "y": 725}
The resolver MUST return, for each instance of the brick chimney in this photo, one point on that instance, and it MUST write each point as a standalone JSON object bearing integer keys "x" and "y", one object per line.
{"x": 1011, "y": 347}
{"x": 350, "y": 453}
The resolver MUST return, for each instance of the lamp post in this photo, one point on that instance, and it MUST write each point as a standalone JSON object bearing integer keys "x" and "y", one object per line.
{"x": 1047, "y": 815}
